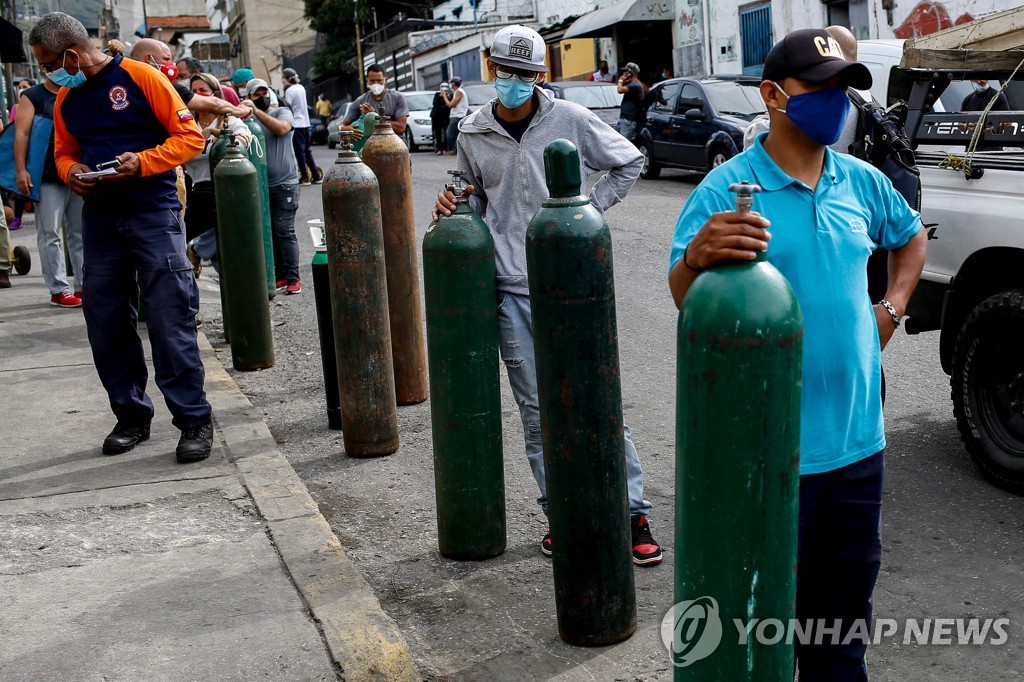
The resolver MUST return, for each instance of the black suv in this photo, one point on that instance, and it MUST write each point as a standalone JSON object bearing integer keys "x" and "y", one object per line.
{"x": 697, "y": 123}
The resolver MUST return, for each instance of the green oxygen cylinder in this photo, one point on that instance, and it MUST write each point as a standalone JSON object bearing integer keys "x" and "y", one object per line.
{"x": 365, "y": 124}
{"x": 740, "y": 352}
{"x": 258, "y": 156}
{"x": 465, "y": 410}
{"x": 241, "y": 257}
{"x": 217, "y": 152}
{"x": 359, "y": 298}
{"x": 572, "y": 291}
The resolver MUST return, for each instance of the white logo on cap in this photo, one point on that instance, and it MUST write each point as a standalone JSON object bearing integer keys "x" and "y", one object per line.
{"x": 521, "y": 47}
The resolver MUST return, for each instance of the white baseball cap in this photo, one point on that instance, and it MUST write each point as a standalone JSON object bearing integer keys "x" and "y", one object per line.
{"x": 519, "y": 47}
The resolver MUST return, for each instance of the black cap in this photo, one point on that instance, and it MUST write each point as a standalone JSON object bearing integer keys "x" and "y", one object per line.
{"x": 812, "y": 55}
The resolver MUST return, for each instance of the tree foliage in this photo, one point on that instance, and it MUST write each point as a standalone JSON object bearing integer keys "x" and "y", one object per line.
{"x": 335, "y": 21}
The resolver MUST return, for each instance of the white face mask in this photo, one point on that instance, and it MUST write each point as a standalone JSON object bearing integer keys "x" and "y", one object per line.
{"x": 376, "y": 88}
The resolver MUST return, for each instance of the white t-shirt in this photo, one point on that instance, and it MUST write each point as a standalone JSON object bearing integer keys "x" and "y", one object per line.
{"x": 295, "y": 98}
{"x": 461, "y": 109}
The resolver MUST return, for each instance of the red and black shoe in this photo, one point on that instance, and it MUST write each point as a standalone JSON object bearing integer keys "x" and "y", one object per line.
{"x": 545, "y": 545}
{"x": 646, "y": 550}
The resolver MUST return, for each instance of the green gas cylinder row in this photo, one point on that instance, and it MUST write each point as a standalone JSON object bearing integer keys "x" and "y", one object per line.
{"x": 243, "y": 267}
{"x": 217, "y": 152}
{"x": 740, "y": 339}
{"x": 258, "y": 156}
{"x": 465, "y": 409}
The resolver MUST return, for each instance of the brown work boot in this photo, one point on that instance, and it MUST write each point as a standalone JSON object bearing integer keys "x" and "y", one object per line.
{"x": 5, "y": 280}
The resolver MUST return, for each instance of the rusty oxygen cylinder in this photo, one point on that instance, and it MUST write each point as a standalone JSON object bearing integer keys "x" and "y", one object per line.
{"x": 388, "y": 157}
{"x": 359, "y": 300}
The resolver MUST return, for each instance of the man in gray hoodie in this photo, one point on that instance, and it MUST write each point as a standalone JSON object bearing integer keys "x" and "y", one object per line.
{"x": 501, "y": 149}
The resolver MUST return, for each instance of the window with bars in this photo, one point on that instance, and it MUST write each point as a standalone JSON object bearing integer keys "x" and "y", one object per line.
{"x": 755, "y": 36}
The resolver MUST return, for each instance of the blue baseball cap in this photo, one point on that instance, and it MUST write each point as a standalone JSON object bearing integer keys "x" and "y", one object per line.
{"x": 242, "y": 76}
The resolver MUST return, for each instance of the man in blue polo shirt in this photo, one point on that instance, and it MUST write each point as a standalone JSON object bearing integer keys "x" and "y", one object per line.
{"x": 827, "y": 213}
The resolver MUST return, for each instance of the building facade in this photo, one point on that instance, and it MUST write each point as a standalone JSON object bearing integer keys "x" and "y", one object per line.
{"x": 259, "y": 31}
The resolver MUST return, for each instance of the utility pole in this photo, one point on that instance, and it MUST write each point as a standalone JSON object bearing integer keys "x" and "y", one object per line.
{"x": 359, "y": 47}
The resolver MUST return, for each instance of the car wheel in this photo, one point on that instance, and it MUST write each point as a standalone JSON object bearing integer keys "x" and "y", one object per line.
{"x": 651, "y": 169}
{"x": 988, "y": 388}
{"x": 717, "y": 157}
{"x": 410, "y": 141}
{"x": 331, "y": 144}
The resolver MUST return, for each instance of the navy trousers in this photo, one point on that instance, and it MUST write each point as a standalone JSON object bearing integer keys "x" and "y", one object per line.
{"x": 839, "y": 554}
{"x": 284, "y": 202}
{"x": 302, "y": 145}
{"x": 125, "y": 253}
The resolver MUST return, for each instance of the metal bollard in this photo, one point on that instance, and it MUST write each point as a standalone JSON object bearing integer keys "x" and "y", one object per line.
{"x": 569, "y": 259}
{"x": 465, "y": 410}
{"x": 740, "y": 342}
{"x": 242, "y": 263}
{"x": 325, "y": 322}
{"x": 258, "y": 156}
{"x": 359, "y": 298}
{"x": 388, "y": 158}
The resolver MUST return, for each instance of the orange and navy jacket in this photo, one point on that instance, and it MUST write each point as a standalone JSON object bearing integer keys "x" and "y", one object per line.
{"x": 127, "y": 107}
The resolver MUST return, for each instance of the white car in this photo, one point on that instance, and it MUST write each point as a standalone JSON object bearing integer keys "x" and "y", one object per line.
{"x": 418, "y": 130}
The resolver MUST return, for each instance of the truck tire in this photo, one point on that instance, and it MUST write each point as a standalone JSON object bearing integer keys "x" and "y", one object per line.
{"x": 988, "y": 388}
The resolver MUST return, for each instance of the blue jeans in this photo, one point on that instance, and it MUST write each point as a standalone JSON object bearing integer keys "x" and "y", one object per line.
{"x": 453, "y": 134}
{"x": 123, "y": 254}
{"x": 838, "y": 556}
{"x": 515, "y": 338}
{"x": 284, "y": 202}
{"x": 626, "y": 128}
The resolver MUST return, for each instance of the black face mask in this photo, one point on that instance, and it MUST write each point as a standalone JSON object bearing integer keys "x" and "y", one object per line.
{"x": 262, "y": 103}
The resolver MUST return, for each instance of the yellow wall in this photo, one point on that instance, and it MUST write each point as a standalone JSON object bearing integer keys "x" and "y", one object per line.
{"x": 578, "y": 57}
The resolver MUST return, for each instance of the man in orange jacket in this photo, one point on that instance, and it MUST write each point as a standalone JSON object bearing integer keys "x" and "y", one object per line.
{"x": 125, "y": 113}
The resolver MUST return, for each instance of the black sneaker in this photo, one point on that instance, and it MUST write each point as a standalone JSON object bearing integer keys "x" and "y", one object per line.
{"x": 195, "y": 444}
{"x": 545, "y": 545}
{"x": 318, "y": 176}
{"x": 124, "y": 438}
{"x": 646, "y": 550}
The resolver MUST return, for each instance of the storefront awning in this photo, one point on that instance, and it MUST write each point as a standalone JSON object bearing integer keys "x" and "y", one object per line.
{"x": 599, "y": 23}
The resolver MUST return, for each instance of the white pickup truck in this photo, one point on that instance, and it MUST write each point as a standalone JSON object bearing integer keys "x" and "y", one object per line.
{"x": 972, "y": 288}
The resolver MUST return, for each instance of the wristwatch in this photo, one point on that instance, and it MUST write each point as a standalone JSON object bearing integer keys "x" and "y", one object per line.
{"x": 892, "y": 311}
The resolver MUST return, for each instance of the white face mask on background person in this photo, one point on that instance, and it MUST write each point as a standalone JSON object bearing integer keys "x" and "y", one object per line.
{"x": 376, "y": 88}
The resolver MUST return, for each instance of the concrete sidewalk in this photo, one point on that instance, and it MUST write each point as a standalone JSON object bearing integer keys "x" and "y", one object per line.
{"x": 134, "y": 567}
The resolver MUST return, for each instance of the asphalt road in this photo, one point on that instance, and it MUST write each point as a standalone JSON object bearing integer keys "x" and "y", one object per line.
{"x": 952, "y": 542}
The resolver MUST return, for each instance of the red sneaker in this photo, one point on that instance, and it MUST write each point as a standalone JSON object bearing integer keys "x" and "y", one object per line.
{"x": 281, "y": 285}
{"x": 545, "y": 545}
{"x": 65, "y": 300}
{"x": 78, "y": 294}
{"x": 646, "y": 550}
{"x": 293, "y": 288}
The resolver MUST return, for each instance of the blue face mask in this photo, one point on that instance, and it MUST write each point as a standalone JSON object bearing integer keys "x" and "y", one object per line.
{"x": 512, "y": 92}
{"x": 979, "y": 88}
{"x": 819, "y": 115}
{"x": 63, "y": 79}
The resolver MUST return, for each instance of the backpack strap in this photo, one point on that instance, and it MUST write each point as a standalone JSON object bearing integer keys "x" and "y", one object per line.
{"x": 864, "y": 139}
